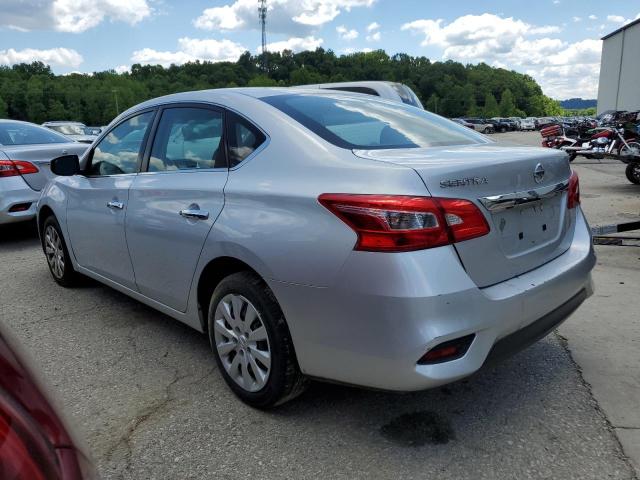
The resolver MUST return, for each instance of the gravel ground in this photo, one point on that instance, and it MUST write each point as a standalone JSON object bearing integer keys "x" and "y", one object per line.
{"x": 143, "y": 392}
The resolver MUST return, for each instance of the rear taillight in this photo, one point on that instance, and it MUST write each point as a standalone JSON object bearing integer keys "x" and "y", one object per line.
{"x": 573, "y": 199}
{"x": 12, "y": 168}
{"x": 25, "y": 454}
{"x": 393, "y": 223}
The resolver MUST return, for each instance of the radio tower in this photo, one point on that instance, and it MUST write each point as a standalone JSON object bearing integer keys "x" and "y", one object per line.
{"x": 262, "y": 14}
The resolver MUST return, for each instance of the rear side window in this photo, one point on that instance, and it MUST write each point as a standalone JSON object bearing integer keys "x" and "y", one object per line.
{"x": 118, "y": 152}
{"x": 16, "y": 133}
{"x": 188, "y": 139}
{"x": 406, "y": 94}
{"x": 243, "y": 138}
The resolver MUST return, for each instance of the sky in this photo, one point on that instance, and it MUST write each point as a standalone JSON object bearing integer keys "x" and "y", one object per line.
{"x": 557, "y": 42}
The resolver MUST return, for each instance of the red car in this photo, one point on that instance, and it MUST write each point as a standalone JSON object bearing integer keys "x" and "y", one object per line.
{"x": 35, "y": 444}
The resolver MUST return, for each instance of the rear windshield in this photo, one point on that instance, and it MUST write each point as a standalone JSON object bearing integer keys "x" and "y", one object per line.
{"x": 15, "y": 133}
{"x": 68, "y": 129}
{"x": 364, "y": 123}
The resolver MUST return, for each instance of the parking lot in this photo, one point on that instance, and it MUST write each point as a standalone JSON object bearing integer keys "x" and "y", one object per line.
{"x": 143, "y": 392}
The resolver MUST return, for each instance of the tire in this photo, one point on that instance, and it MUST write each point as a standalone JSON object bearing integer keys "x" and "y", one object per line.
{"x": 488, "y": 131}
{"x": 251, "y": 342}
{"x": 633, "y": 172}
{"x": 572, "y": 156}
{"x": 57, "y": 254}
{"x": 503, "y": 129}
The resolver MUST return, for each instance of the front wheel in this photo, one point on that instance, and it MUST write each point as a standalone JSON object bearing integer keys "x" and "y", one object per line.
{"x": 631, "y": 149}
{"x": 251, "y": 342}
{"x": 55, "y": 249}
{"x": 633, "y": 173}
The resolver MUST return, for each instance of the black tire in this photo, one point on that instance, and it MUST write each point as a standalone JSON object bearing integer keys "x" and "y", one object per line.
{"x": 633, "y": 172}
{"x": 285, "y": 381}
{"x": 66, "y": 275}
{"x": 503, "y": 129}
{"x": 572, "y": 156}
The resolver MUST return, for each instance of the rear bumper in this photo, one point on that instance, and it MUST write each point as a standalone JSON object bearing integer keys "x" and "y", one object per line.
{"x": 15, "y": 191}
{"x": 386, "y": 311}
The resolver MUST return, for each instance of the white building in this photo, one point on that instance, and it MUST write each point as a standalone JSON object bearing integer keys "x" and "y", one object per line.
{"x": 619, "y": 87}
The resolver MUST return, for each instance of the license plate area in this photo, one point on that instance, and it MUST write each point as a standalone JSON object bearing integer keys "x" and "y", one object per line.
{"x": 528, "y": 227}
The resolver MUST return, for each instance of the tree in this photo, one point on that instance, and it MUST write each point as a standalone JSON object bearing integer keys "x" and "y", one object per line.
{"x": 4, "y": 112}
{"x": 507, "y": 105}
{"x": 432, "y": 103}
{"x": 490, "y": 109}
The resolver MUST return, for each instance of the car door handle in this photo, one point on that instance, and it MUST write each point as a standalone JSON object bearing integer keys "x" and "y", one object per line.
{"x": 115, "y": 205}
{"x": 194, "y": 213}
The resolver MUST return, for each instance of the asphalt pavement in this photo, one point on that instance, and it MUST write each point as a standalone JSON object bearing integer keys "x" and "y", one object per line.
{"x": 144, "y": 393}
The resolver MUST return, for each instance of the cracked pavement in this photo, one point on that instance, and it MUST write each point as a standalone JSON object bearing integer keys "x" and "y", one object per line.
{"x": 144, "y": 393}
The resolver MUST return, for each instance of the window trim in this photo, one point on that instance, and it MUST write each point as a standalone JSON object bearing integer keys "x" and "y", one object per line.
{"x": 141, "y": 150}
{"x": 144, "y": 168}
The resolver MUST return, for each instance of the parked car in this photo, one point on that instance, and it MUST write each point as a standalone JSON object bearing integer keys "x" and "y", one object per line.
{"x": 25, "y": 152}
{"x": 461, "y": 121}
{"x": 398, "y": 92}
{"x": 323, "y": 235}
{"x": 517, "y": 122}
{"x": 93, "y": 131}
{"x": 503, "y": 124}
{"x": 481, "y": 125}
{"x": 74, "y": 130}
{"x": 35, "y": 442}
{"x": 528, "y": 123}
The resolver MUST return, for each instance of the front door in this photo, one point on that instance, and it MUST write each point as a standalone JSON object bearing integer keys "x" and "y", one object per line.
{"x": 174, "y": 203}
{"x": 98, "y": 201}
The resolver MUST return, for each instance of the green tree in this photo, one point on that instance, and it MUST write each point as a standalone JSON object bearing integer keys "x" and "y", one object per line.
{"x": 432, "y": 103}
{"x": 4, "y": 112}
{"x": 507, "y": 105}
{"x": 490, "y": 106}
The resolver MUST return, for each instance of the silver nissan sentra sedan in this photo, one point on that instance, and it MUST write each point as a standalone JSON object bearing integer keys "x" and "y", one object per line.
{"x": 323, "y": 235}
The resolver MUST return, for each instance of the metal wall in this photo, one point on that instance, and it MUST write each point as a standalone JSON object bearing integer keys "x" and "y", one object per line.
{"x": 619, "y": 86}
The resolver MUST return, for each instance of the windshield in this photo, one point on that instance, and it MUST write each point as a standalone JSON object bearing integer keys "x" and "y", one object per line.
{"x": 16, "y": 133}
{"x": 68, "y": 129}
{"x": 364, "y": 123}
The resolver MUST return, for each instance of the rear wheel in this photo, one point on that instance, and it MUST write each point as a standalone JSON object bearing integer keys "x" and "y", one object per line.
{"x": 55, "y": 249}
{"x": 631, "y": 149}
{"x": 251, "y": 342}
{"x": 633, "y": 173}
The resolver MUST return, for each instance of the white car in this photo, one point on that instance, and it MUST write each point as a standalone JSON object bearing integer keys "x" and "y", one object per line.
{"x": 527, "y": 124}
{"x": 76, "y": 131}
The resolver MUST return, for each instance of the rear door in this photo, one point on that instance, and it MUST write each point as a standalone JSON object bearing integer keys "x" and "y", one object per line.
{"x": 98, "y": 200}
{"x": 174, "y": 202}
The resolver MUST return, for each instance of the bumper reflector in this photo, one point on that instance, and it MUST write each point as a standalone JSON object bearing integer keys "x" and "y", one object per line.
{"x": 447, "y": 351}
{"x": 20, "y": 207}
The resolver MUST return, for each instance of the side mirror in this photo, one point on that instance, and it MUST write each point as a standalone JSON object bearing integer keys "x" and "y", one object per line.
{"x": 66, "y": 166}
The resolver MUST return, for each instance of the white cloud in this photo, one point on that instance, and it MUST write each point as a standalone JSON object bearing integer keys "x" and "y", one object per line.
{"x": 295, "y": 44}
{"x": 373, "y": 26}
{"x": 122, "y": 68}
{"x": 70, "y": 15}
{"x": 190, "y": 50}
{"x": 374, "y": 37}
{"x": 349, "y": 51}
{"x": 616, "y": 19}
{"x": 512, "y": 43}
{"x": 576, "y": 19}
{"x": 283, "y": 16}
{"x": 61, "y": 57}
{"x": 346, "y": 34}
{"x": 593, "y": 17}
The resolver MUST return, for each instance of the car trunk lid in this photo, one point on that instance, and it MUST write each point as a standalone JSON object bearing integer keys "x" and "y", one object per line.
{"x": 41, "y": 156}
{"x": 527, "y": 211}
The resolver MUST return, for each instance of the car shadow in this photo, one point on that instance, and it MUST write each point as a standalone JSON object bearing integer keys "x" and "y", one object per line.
{"x": 19, "y": 234}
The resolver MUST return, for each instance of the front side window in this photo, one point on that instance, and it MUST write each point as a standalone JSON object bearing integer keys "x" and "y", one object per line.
{"x": 19, "y": 133}
{"x": 68, "y": 129}
{"x": 364, "y": 123}
{"x": 118, "y": 152}
{"x": 243, "y": 139}
{"x": 188, "y": 139}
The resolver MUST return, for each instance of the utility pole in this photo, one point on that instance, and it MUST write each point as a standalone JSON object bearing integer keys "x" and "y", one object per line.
{"x": 115, "y": 94}
{"x": 262, "y": 14}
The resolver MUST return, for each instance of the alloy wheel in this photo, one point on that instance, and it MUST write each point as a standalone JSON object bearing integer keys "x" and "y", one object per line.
{"x": 242, "y": 343}
{"x": 54, "y": 251}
